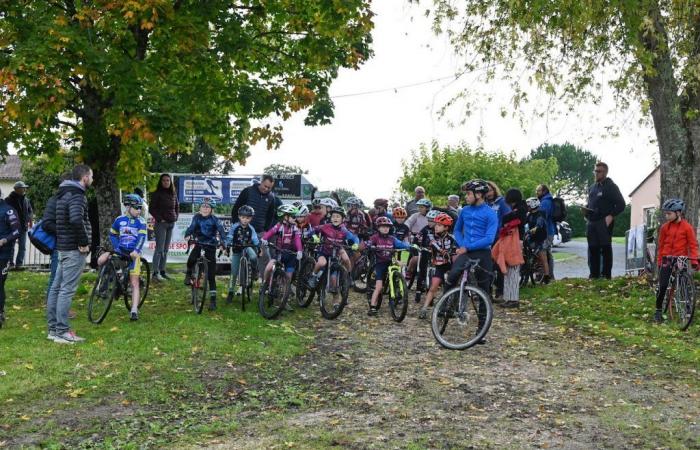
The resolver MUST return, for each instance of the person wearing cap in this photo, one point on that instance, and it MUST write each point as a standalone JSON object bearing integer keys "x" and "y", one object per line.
{"x": 23, "y": 207}
{"x": 412, "y": 206}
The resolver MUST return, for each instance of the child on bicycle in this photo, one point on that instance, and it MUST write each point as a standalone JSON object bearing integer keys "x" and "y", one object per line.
{"x": 127, "y": 235}
{"x": 333, "y": 234}
{"x": 676, "y": 238}
{"x": 302, "y": 221}
{"x": 382, "y": 242}
{"x": 422, "y": 239}
{"x": 536, "y": 236}
{"x": 288, "y": 241}
{"x": 443, "y": 247}
{"x": 357, "y": 221}
{"x": 242, "y": 238}
{"x": 401, "y": 230}
{"x": 208, "y": 234}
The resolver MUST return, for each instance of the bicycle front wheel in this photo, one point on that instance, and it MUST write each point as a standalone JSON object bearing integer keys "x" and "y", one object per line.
{"x": 398, "y": 299}
{"x": 244, "y": 281}
{"x": 144, "y": 283}
{"x": 360, "y": 275}
{"x": 332, "y": 303}
{"x": 458, "y": 324}
{"x": 684, "y": 301}
{"x": 103, "y": 293}
{"x": 273, "y": 295}
{"x": 200, "y": 286}
{"x": 305, "y": 294}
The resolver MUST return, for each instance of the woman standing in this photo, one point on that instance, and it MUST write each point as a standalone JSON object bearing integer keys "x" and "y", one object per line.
{"x": 164, "y": 209}
{"x": 514, "y": 225}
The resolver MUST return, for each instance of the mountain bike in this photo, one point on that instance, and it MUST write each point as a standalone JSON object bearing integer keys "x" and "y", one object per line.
{"x": 334, "y": 285}
{"x": 679, "y": 301}
{"x": 532, "y": 270}
{"x": 394, "y": 284}
{"x": 275, "y": 291}
{"x": 304, "y": 293}
{"x": 244, "y": 278}
{"x": 360, "y": 270}
{"x": 466, "y": 309}
{"x": 112, "y": 281}
{"x": 199, "y": 278}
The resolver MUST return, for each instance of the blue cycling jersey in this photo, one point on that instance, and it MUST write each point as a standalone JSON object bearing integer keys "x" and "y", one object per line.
{"x": 128, "y": 234}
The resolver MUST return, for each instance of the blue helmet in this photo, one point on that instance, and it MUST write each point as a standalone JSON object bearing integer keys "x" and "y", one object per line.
{"x": 133, "y": 201}
{"x": 207, "y": 201}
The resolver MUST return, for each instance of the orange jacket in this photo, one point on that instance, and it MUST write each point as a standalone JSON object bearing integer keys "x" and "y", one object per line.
{"x": 508, "y": 251}
{"x": 677, "y": 239}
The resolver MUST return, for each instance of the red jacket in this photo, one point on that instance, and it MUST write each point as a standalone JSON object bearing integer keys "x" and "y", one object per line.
{"x": 677, "y": 239}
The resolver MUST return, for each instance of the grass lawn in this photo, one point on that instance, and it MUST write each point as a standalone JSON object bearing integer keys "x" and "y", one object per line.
{"x": 622, "y": 309}
{"x": 615, "y": 239}
{"x": 563, "y": 256}
{"x": 164, "y": 367}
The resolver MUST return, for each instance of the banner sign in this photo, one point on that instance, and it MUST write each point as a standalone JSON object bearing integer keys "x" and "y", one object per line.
{"x": 288, "y": 186}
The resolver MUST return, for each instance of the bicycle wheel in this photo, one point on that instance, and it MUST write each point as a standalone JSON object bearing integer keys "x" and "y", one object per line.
{"x": 273, "y": 296}
{"x": 332, "y": 304}
{"x": 398, "y": 303}
{"x": 460, "y": 324}
{"x": 104, "y": 291}
{"x": 200, "y": 286}
{"x": 684, "y": 301}
{"x": 525, "y": 274}
{"x": 144, "y": 283}
{"x": 244, "y": 280}
{"x": 304, "y": 293}
{"x": 359, "y": 274}
{"x": 371, "y": 280}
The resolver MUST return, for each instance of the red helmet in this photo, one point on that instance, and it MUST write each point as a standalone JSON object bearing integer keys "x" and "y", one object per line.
{"x": 383, "y": 221}
{"x": 444, "y": 219}
{"x": 399, "y": 213}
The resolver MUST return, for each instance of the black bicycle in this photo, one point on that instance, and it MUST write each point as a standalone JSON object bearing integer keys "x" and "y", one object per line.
{"x": 679, "y": 301}
{"x": 360, "y": 271}
{"x": 199, "y": 279}
{"x": 532, "y": 271}
{"x": 112, "y": 281}
{"x": 334, "y": 285}
{"x": 463, "y": 315}
{"x": 274, "y": 292}
{"x": 304, "y": 293}
{"x": 244, "y": 278}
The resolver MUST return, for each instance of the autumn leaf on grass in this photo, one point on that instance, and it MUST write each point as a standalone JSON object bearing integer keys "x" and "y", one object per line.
{"x": 76, "y": 392}
{"x": 29, "y": 366}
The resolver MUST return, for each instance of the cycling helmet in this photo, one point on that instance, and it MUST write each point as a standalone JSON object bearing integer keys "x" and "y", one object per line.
{"x": 329, "y": 202}
{"x": 133, "y": 200}
{"x": 381, "y": 203}
{"x": 432, "y": 214}
{"x": 284, "y": 210}
{"x": 382, "y": 221}
{"x": 208, "y": 201}
{"x": 476, "y": 186}
{"x": 444, "y": 219}
{"x": 353, "y": 201}
{"x": 399, "y": 213}
{"x": 533, "y": 202}
{"x": 303, "y": 211}
{"x": 424, "y": 202}
{"x": 298, "y": 204}
{"x": 246, "y": 211}
{"x": 316, "y": 202}
{"x": 338, "y": 210}
{"x": 673, "y": 204}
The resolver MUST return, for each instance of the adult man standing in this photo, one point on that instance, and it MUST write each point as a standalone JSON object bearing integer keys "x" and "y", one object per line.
{"x": 453, "y": 204}
{"x": 259, "y": 196}
{"x": 23, "y": 207}
{"x": 73, "y": 234}
{"x": 604, "y": 203}
{"x": 547, "y": 207}
{"x": 412, "y": 207}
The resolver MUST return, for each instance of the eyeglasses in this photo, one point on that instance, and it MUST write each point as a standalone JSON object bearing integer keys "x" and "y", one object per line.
{"x": 137, "y": 207}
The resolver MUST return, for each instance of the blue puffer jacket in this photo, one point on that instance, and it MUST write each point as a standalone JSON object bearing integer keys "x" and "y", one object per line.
{"x": 476, "y": 227}
{"x": 547, "y": 207}
{"x": 205, "y": 230}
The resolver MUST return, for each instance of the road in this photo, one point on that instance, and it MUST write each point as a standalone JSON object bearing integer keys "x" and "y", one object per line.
{"x": 578, "y": 267}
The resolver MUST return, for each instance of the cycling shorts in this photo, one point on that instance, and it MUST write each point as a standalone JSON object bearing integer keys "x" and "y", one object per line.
{"x": 380, "y": 269}
{"x": 290, "y": 262}
{"x": 441, "y": 270}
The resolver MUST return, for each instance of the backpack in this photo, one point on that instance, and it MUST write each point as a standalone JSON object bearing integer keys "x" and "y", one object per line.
{"x": 558, "y": 209}
{"x": 41, "y": 239}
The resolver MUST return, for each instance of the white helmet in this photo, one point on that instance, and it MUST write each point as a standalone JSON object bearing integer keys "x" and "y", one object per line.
{"x": 533, "y": 202}
{"x": 329, "y": 202}
{"x": 302, "y": 211}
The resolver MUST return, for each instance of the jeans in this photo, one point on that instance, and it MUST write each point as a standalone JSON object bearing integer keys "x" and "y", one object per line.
{"x": 22, "y": 244}
{"x": 236, "y": 263}
{"x": 164, "y": 233}
{"x": 4, "y": 263}
{"x": 53, "y": 266}
{"x": 70, "y": 267}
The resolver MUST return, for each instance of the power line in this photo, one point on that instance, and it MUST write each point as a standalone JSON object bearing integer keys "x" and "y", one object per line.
{"x": 396, "y": 88}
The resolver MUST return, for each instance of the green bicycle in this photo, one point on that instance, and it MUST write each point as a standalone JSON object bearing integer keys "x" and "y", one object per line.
{"x": 394, "y": 286}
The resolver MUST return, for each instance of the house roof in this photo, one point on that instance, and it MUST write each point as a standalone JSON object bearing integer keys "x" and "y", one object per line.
{"x": 644, "y": 181}
{"x": 11, "y": 169}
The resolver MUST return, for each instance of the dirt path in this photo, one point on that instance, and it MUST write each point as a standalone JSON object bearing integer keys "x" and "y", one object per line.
{"x": 377, "y": 384}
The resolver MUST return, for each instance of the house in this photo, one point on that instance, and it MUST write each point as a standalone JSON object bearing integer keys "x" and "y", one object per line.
{"x": 10, "y": 173}
{"x": 645, "y": 199}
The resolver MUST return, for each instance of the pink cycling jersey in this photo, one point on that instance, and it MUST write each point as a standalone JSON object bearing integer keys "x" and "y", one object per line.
{"x": 357, "y": 222}
{"x": 288, "y": 236}
{"x": 383, "y": 245}
{"x": 333, "y": 235}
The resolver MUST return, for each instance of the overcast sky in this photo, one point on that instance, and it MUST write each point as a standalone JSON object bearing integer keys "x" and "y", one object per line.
{"x": 362, "y": 149}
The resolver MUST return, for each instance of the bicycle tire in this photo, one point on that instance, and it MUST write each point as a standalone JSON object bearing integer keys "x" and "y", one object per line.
{"x": 359, "y": 275}
{"x": 304, "y": 293}
{"x": 331, "y": 310}
{"x": 398, "y": 304}
{"x": 445, "y": 310}
{"x": 243, "y": 280}
{"x": 144, "y": 283}
{"x": 684, "y": 301}
{"x": 273, "y": 296}
{"x": 99, "y": 305}
{"x": 200, "y": 286}
{"x": 371, "y": 285}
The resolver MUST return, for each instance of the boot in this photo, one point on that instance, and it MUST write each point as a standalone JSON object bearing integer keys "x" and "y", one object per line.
{"x": 212, "y": 302}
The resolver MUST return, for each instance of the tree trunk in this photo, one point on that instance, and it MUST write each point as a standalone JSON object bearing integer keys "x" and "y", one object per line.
{"x": 678, "y": 172}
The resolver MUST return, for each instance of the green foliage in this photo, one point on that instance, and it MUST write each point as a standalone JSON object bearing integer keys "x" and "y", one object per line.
{"x": 575, "y": 167}
{"x": 443, "y": 170}
{"x": 202, "y": 159}
{"x": 575, "y": 219}
{"x": 280, "y": 169}
{"x": 43, "y": 183}
{"x": 341, "y": 194}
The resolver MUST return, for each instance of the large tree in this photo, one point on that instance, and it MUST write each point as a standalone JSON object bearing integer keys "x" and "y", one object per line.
{"x": 650, "y": 47}
{"x": 575, "y": 168}
{"x": 114, "y": 79}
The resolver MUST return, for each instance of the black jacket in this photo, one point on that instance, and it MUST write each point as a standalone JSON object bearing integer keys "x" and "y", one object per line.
{"x": 9, "y": 229}
{"x": 23, "y": 207}
{"x": 604, "y": 199}
{"x": 519, "y": 211}
{"x": 49, "y": 217}
{"x": 72, "y": 223}
{"x": 263, "y": 205}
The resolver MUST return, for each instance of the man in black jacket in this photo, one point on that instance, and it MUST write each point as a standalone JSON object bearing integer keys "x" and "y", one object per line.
{"x": 604, "y": 203}
{"x": 23, "y": 207}
{"x": 73, "y": 233}
{"x": 259, "y": 196}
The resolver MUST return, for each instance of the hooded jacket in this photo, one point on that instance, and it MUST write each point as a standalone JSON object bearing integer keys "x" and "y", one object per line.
{"x": 73, "y": 228}
{"x": 23, "y": 208}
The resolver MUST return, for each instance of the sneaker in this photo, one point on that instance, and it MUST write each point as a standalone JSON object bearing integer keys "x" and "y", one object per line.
{"x": 423, "y": 313}
{"x": 51, "y": 335}
{"x": 165, "y": 276}
{"x": 658, "y": 317}
{"x": 69, "y": 337}
{"x": 188, "y": 279}
{"x": 373, "y": 311}
{"x": 511, "y": 304}
{"x": 134, "y": 316}
{"x": 212, "y": 304}
{"x": 288, "y": 307}
{"x": 312, "y": 282}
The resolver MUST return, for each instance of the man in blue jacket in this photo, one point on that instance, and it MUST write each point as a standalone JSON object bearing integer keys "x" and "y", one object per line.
{"x": 547, "y": 207}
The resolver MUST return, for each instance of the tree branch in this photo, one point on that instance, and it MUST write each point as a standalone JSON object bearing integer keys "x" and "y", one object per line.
{"x": 68, "y": 124}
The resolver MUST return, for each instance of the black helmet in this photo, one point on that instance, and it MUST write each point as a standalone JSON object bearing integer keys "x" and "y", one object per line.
{"x": 673, "y": 204}
{"x": 246, "y": 211}
{"x": 476, "y": 186}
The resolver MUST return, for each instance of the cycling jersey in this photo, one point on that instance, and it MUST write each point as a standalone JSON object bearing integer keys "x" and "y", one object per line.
{"x": 383, "y": 244}
{"x": 416, "y": 222}
{"x": 333, "y": 235}
{"x": 128, "y": 234}
{"x": 357, "y": 222}
{"x": 425, "y": 236}
{"x": 476, "y": 227}
{"x": 401, "y": 231}
{"x": 537, "y": 221}
{"x": 204, "y": 230}
{"x": 288, "y": 236}
{"x": 306, "y": 230}
{"x": 240, "y": 236}
{"x": 443, "y": 247}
